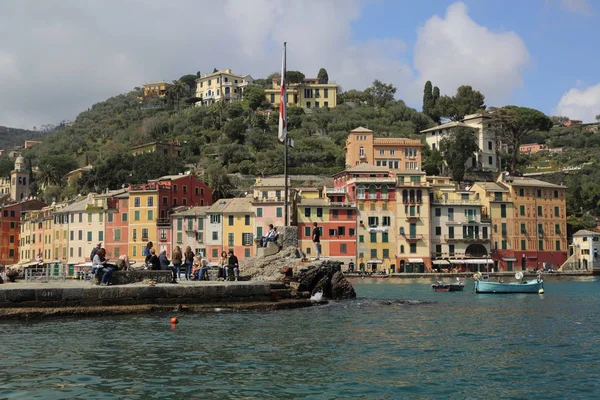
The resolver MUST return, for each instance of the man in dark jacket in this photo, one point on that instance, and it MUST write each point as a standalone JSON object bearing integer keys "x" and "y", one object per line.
{"x": 233, "y": 265}
{"x": 164, "y": 261}
{"x": 95, "y": 250}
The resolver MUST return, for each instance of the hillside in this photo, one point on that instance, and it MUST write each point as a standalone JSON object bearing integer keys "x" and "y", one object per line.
{"x": 10, "y": 137}
{"x": 221, "y": 138}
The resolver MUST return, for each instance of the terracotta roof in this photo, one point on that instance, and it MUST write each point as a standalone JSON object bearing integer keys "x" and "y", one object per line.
{"x": 239, "y": 205}
{"x": 271, "y": 182}
{"x": 585, "y": 232}
{"x": 313, "y": 202}
{"x": 218, "y": 206}
{"x": 169, "y": 178}
{"x": 492, "y": 186}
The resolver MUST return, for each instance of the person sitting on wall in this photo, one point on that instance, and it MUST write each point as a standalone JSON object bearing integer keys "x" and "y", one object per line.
{"x": 265, "y": 239}
{"x": 154, "y": 262}
{"x": 233, "y": 267}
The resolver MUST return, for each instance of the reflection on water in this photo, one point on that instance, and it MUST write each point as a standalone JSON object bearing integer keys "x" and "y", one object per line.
{"x": 455, "y": 345}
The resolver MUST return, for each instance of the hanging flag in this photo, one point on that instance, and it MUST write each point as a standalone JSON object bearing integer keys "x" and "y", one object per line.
{"x": 283, "y": 102}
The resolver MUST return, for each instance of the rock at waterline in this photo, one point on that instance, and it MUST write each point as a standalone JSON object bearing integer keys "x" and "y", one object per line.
{"x": 328, "y": 279}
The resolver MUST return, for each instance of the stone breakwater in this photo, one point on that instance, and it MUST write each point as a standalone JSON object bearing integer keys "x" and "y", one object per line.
{"x": 81, "y": 299}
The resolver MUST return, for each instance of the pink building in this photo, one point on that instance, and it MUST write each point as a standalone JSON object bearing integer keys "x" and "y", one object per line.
{"x": 532, "y": 148}
{"x": 268, "y": 200}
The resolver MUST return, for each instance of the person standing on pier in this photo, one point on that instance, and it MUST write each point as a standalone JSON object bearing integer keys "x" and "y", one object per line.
{"x": 316, "y": 238}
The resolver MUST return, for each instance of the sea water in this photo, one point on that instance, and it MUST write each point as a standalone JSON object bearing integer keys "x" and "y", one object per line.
{"x": 398, "y": 340}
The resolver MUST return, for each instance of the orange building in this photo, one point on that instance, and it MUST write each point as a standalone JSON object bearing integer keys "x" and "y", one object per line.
{"x": 116, "y": 224}
{"x": 10, "y": 217}
{"x": 397, "y": 154}
{"x": 156, "y": 89}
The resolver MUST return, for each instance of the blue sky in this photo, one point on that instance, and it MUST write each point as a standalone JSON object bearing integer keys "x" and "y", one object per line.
{"x": 72, "y": 53}
{"x": 559, "y": 36}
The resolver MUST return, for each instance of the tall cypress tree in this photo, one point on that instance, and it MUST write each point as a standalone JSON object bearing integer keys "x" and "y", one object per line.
{"x": 428, "y": 101}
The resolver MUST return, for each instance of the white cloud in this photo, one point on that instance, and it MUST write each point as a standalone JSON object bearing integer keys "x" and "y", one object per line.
{"x": 583, "y": 104}
{"x": 455, "y": 50}
{"x": 77, "y": 52}
{"x": 581, "y": 7}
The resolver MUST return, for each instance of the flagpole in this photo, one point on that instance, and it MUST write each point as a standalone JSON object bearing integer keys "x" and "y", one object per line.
{"x": 283, "y": 133}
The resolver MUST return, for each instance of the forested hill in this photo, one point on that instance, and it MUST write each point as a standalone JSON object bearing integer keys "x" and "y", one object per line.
{"x": 236, "y": 138}
{"x": 10, "y": 137}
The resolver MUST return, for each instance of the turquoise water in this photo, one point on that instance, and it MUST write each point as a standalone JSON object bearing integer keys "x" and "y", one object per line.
{"x": 440, "y": 345}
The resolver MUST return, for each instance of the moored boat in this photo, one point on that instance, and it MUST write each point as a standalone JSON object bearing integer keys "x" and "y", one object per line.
{"x": 532, "y": 286}
{"x": 448, "y": 287}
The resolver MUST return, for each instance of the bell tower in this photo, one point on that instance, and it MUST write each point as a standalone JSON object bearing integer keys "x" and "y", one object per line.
{"x": 19, "y": 181}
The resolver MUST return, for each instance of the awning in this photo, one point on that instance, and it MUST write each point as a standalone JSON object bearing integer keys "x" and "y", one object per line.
{"x": 512, "y": 259}
{"x": 415, "y": 260}
{"x": 441, "y": 262}
{"x": 533, "y": 257}
{"x": 374, "y": 261}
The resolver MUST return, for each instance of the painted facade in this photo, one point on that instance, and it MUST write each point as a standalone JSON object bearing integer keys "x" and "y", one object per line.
{"x": 268, "y": 203}
{"x": 307, "y": 94}
{"x": 222, "y": 85}
{"x": 238, "y": 227}
{"x": 10, "y": 218}
{"x": 188, "y": 227}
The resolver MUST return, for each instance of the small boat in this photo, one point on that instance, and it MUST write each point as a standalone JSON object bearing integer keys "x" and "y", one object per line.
{"x": 380, "y": 276}
{"x": 448, "y": 287}
{"x": 483, "y": 285}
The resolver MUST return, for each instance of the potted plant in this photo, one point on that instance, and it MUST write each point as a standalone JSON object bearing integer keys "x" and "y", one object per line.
{"x": 12, "y": 274}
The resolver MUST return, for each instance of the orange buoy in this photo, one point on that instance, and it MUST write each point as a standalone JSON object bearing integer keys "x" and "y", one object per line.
{"x": 174, "y": 320}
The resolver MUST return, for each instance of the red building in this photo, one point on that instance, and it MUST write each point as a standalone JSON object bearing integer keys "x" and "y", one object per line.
{"x": 116, "y": 223}
{"x": 10, "y": 216}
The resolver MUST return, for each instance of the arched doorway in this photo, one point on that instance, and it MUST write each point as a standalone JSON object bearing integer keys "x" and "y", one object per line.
{"x": 476, "y": 250}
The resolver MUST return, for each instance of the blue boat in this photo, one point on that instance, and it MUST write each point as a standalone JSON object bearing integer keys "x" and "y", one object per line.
{"x": 482, "y": 285}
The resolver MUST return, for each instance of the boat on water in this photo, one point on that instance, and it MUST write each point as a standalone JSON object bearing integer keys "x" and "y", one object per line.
{"x": 380, "y": 276}
{"x": 440, "y": 286}
{"x": 483, "y": 285}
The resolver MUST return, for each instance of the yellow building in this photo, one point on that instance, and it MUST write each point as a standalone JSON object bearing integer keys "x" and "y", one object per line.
{"x": 143, "y": 228}
{"x": 396, "y": 154}
{"x": 170, "y": 149}
{"x": 222, "y": 85}
{"x": 413, "y": 244}
{"x": 238, "y": 227}
{"x": 308, "y": 94}
{"x": 156, "y": 89}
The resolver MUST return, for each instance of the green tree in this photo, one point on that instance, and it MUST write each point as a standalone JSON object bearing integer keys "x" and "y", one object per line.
{"x": 380, "y": 94}
{"x": 294, "y": 76}
{"x": 428, "y": 102}
{"x": 255, "y": 97}
{"x": 52, "y": 169}
{"x": 598, "y": 118}
{"x": 6, "y": 166}
{"x": 215, "y": 70}
{"x": 322, "y": 76}
{"x": 466, "y": 101}
{"x": 219, "y": 182}
{"x": 156, "y": 128}
{"x": 457, "y": 148}
{"x": 190, "y": 82}
{"x": 235, "y": 129}
{"x": 433, "y": 161}
{"x": 513, "y": 123}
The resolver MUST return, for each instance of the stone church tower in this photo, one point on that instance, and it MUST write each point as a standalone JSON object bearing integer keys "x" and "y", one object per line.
{"x": 19, "y": 181}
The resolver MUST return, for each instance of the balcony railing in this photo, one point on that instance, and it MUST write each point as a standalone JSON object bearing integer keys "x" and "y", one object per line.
{"x": 457, "y": 202}
{"x": 335, "y": 190}
{"x": 163, "y": 221}
{"x": 412, "y": 238}
{"x": 338, "y": 204}
{"x": 414, "y": 217}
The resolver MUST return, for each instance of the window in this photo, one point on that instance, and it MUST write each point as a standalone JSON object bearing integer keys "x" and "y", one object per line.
{"x": 384, "y": 237}
{"x": 215, "y": 253}
{"x": 523, "y": 244}
{"x": 373, "y": 237}
{"x": 334, "y": 214}
{"x": 151, "y": 201}
{"x": 150, "y": 215}
{"x": 540, "y": 230}
{"x": 502, "y": 210}
{"x": 343, "y": 248}
{"x": 451, "y": 214}
{"x": 230, "y": 220}
{"x": 490, "y": 160}
{"x": 319, "y": 212}
{"x": 521, "y": 192}
{"x": 402, "y": 249}
{"x": 504, "y": 229}
{"x": 522, "y": 210}
{"x": 215, "y": 219}
{"x": 272, "y": 98}
{"x": 539, "y": 193}
{"x": 72, "y": 235}
{"x": 540, "y": 211}
{"x": 200, "y": 237}
{"x": 361, "y": 152}
{"x": 89, "y": 217}
{"x": 504, "y": 245}
{"x": 381, "y": 152}
{"x": 438, "y": 212}
{"x": 386, "y": 221}
{"x": 557, "y": 211}
{"x": 215, "y": 236}
{"x": 230, "y": 239}
{"x": 145, "y": 234}
{"x": 386, "y": 253}
{"x": 246, "y": 220}
{"x": 308, "y": 104}
{"x": 279, "y": 212}
{"x": 136, "y": 215}
{"x": 333, "y": 232}
{"x": 165, "y": 201}
{"x": 557, "y": 229}
{"x": 101, "y": 236}
{"x": 136, "y": 201}
{"x": 540, "y": 245}
{"x": 361, "y": 238}
{"x": 341, "y": 231}
{"x": 438, "y": 230}
{"x": 124, "y": 217}
{"x": 558, "y": 245}
{"x": 134, "y": 234}
{"x": 109, "y": 217}
{"x": 117, "y": 235}
{"x": 373, "y": 254}
{"x": 373, "y": 221}
{"x": 484, "y": 232}
{"x": 523, "y": 228}
{"x": 489, "y": 145}
{"x": 307, "y": 232}
{"x": 89, "y": 236}
{"x": 351, "y": 232}
{"x": 556, "y": 194}
{"x": 413, "y": 248}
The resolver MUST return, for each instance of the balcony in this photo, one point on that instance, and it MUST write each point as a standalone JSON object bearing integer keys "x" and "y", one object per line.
{"x": 412, "y": 218}
{"x": 163, "y": 221}
{"x": 442, "y": 201}
{"x": 476, "y": 239}
{"x": 412, "y": 200}
{"x": 451, "y": 238}
{"x": 345, "y": 205}
{"x": 335, "y": 190}
{"x": 412, "y": 238}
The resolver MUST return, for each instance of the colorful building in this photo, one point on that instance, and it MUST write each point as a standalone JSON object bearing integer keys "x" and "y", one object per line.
{"x": 116, "y": 222}
{"x": 156, "y": 89}
{"x": 335, "y": 216}
{"x": 532, "y": 148}
{"x": 393, "y": 153}
{"x": 584, "y": 252}
{"x": 10, "y": 217}
{"x": 222, "y": 85}
{"x": 372, "y": 189}
{"x": 188, "y": 227}
{"x": 307, "y": 94}
{"x": 238, "y": 227}
{"x": 214, "y": 229}
{"x": 460, "y": 239}
{"x": 268, "y": 203}
{"x": 170, "y": 149}
{"x": 150, "y": 206}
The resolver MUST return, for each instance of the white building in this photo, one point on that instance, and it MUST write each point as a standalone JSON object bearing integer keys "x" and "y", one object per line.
{"x": 585, "y": 251}
{"x": 485, "y": 159}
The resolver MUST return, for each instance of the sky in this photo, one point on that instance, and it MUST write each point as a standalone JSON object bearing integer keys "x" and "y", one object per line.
{"x": 59, "y": 57}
